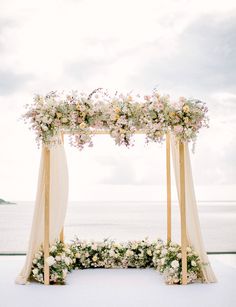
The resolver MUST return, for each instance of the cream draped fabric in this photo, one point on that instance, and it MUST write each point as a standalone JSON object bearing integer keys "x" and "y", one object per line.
{"x": 58, "y": 206}
{"x": 193, "y": 225}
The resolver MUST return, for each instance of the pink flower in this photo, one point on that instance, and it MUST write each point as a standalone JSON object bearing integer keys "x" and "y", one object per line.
{"x": 178, "y": 129}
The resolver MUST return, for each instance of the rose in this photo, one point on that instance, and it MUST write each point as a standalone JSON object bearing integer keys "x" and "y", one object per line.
{"x": 175, "y": 264}
{"x": 178, "y": 129}
{"x": 186, "y": 108}
{"x": 67, "y": 261}
{"x": 50, "y": 260}
{"x": 193, "y": 263}
{"x": 53, "y": 249}
{"x": 35, "y": 271}
{"x": 95, "y": 258}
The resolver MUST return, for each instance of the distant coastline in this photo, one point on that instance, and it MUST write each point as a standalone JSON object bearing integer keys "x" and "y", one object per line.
{"x": 5, "y": 202}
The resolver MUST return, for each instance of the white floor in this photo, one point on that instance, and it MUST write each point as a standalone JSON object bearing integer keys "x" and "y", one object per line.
{"x": 113, "y": 288}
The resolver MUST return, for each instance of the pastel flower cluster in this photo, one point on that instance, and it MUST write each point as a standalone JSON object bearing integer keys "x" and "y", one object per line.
{"x": 168, "y": 260}
{"x": 165, "y": 258}
{"x": 60, "y": 261}
{"x": 121, "y": 115}
{"x": 110, "y": 254}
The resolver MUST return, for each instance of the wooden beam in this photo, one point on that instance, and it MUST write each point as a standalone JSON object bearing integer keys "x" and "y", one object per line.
{"x": 168, "y": 186}
{"x": 102, "y": 132}
{"x": 61, "y": 237}
{"x": 183, "y": 212}
{"x": 46, "y": 215}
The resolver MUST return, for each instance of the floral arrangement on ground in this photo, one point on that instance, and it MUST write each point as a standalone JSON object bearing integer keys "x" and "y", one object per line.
{"x": 122, "y": 115}
{"x": 163, "y": 257}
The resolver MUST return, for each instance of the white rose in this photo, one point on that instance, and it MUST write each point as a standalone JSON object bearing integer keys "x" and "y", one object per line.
{"x": 149, "y": 252}
{"x": 35, "y": 261}
{"x": 67, "y": 261}
{"x": 112, "y": 253}
{"x": 38, "y": 256}
{"x": 193, "y": 263}
{"x": 134, "y": 246}
{"x": 64, "y": 120}
{"x": 175, "y": 264}
{"x": 53, "y": 249}
{"x": 163, "y": 261}
{"x": 179, "y": 255}
{"x": 77, "y": 255}
{"x": 58, "y": 258}
{"x": 35, "y": 271}
{"x": 164, "y": 252}
{"x": 64, "y": 273}
{"x": 129, "y": 253}
{"x": 50, "y": 260}
{"x": 44, "y": 127}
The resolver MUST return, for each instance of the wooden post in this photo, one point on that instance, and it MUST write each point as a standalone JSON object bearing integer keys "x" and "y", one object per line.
{"x": 46, "y": 215}
{"x": 61, "y": 238}
{"x": 168, "y": 186}
{"x": 183, "y": 212}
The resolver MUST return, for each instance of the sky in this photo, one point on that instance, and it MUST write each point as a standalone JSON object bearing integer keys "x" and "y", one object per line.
{"x": 182, "y": 48}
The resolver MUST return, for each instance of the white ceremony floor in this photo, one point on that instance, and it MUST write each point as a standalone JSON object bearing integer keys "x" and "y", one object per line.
{"x": 113, "y": 288}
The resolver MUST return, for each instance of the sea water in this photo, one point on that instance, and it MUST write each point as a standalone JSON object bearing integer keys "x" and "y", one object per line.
{"x": 121, "y": 221}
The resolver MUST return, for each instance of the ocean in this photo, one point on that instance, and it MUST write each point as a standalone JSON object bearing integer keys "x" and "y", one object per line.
{"x": 121, "y": 221}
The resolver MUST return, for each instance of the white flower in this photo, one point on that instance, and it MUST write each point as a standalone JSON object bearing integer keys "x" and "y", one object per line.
{"x": 67, "y": 261}
{"x": 53, "y": 249}
{"x": 35, "y": 271}
{"x": 134, "y": 246}
{"x": 58, "y": 258}
{"x": 44, "y": 127}
{"x": 149, "y": 252}
{"x": 175, "y": 264}
{"x": 179, "y": 255}
{"x": 188, "y": 249}
{"x": 64, "y": 273}
{"x": 95, "y": 258}
{"x": 112, "y": 253}
{"x": 64, "y": 120}
{"x": 35, "y": 261}
{"x": 50, "y": 260}
{"x": 193, "y": 263}
{"x": 77, "y": 255}
{"x": 164, "y": 252}
{"x": 129, "y": 253}
{"x": 163, "y": 261}
{"x": 38, "y": 255}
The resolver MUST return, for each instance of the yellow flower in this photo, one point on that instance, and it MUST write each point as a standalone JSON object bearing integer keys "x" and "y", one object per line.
{"x": 59, "y": 115}
{"x": 117, "y": 116}
{"x": 117, "y": 110}
{"x": 186, "y": 120}
{"x": 186, "y": 108}
{"x": 82, "y": 125}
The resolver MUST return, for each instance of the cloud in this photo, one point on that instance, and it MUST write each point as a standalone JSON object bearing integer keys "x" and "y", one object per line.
{"x": 11, "y": 82}
{"x": 202, "y": 59}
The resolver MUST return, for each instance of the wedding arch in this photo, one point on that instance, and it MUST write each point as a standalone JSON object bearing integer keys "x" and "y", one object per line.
{"x": 122, "y": 116}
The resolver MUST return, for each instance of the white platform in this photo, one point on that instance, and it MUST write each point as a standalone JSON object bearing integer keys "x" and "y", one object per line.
{"x": 113, "y": 288}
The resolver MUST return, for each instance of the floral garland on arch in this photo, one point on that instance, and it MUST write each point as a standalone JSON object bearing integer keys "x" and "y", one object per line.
{"x": 121, "y": 115}
{"x": 163, "y": 257}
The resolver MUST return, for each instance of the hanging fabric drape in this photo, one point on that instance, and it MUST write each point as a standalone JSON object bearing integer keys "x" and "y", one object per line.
{"x": 58, "y": 206}
{"x": 193, "y": 225}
